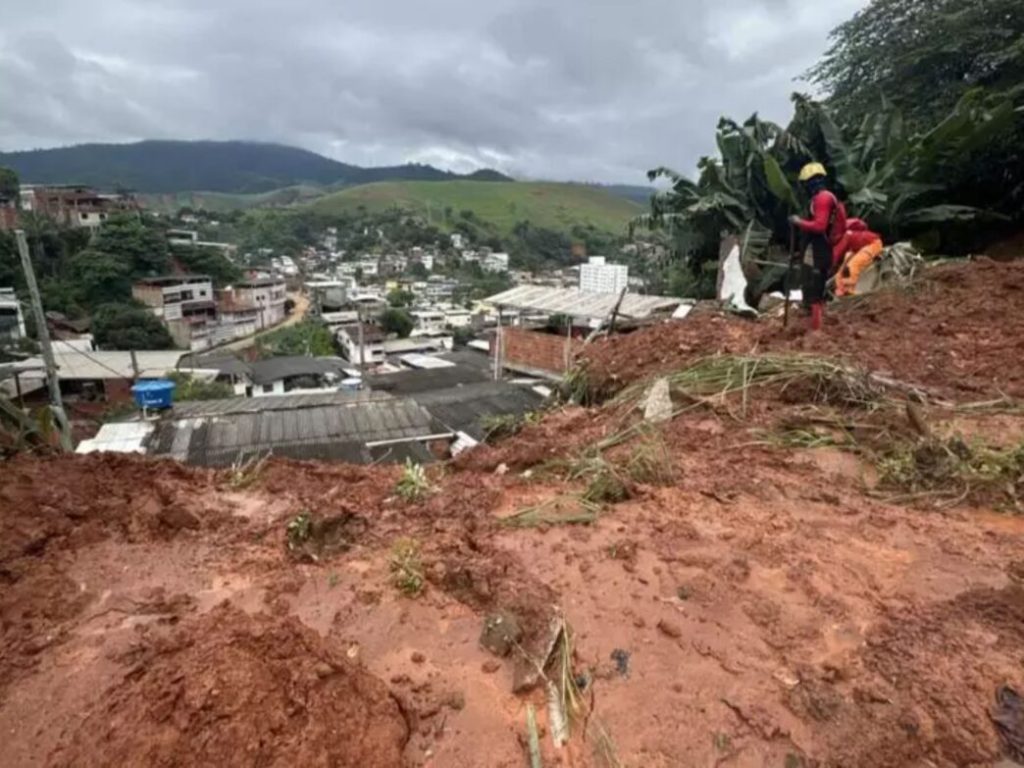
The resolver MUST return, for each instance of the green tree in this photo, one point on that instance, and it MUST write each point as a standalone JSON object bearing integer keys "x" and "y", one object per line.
{"x": 128, "y": 326}
{"x": 401, "y": 298}
{"x": 10, "y": 186}
{"x": 922, "y": 55}
{"x": 188, "y": 387}
{"x": 308, "y": 338}
{"x": 397, "y": 321}
{"x": 133, "y": 240}
{"x": 936, "y": 61}
{"x": 417, "y": 271}
{"x": 99, "y": 278}
{"x": 208, "y": 261}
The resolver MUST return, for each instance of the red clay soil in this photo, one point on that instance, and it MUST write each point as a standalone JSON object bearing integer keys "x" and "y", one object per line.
{"x": 753, "y": 606}
{"x": 959, "y": 331}
{"x": 230, "y": 689}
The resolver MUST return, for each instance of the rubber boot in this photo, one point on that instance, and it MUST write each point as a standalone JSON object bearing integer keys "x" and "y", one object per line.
{"x": 817, "y": 316}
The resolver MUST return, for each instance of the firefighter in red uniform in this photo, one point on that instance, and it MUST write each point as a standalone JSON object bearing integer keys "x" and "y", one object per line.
{"x": 826, "y": 233}
{"x": 863, "y": 247}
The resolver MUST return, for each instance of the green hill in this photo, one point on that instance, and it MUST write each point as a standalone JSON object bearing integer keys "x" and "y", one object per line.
{"x": 217, "y": 166}
{"x": 549, "y": 205}
{"x": 222, "y": 202}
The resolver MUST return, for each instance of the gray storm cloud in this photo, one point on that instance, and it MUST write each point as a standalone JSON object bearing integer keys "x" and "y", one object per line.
{"x": 580, "y": 89}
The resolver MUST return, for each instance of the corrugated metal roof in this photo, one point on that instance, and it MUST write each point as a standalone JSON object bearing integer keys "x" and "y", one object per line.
{"x": 463, "y": 409}
{"x": 309, "y": 426}
{"x": 233, "y": 405}
{"x": 75, "y": 364}
{"x": 570, "y": 301}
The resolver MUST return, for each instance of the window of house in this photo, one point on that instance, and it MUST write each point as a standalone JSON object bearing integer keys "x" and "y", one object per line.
{"x": 268, "y": 388}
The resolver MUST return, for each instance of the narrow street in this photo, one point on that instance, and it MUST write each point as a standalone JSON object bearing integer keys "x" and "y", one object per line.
{"x": 297, "y": 316}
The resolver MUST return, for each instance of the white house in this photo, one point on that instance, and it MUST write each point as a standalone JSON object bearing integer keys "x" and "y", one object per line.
{"x": 597, "y": 276}
{"x": 427, "y": 321}
{"x": 372, "y": 350}
{"x": 12, "y": 321}
{"x": 495, "y": 262}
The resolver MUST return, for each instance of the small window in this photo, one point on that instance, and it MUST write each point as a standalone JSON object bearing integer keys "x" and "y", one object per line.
{"x": 268, "y": 387}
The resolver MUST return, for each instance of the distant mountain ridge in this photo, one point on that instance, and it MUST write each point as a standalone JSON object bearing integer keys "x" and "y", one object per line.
{"x": 239, "y": 167}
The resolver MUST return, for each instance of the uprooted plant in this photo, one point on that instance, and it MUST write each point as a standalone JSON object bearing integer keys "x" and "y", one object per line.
{"x": 312, "y": 536}
{"x": 245, "y": 472}
{"x": 413, "y": 484}
{"x": 951, "y": 470}
{"x": 569, "y": 509}
{"x": 719, "y": 380}
{"x": 568, "y": 708}
{"x": 406, "y": 567}
{"x": 500, "y": 426}
{"x": 299, "y": 530}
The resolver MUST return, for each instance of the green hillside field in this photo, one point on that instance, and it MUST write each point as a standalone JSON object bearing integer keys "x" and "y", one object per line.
{"x": 222, "y": 202}
{"x": 502, "y": 204}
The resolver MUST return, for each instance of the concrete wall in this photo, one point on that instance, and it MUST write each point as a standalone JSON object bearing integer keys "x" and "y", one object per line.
{"x": 528, "y": 350}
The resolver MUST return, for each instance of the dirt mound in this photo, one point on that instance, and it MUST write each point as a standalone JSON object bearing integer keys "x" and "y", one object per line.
{"x": 944, "y": 665}
{"x": 97, "y": 496}
{"x": 230, "y": 689}
{"x": 953, "y": 331}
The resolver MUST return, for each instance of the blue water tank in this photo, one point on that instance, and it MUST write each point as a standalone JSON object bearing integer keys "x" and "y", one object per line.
{"x": 153, "y": 393}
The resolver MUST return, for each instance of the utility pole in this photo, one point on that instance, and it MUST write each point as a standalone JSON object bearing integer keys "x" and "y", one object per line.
{"x": 362, "y": 344}
{"x": 43, "y": 332}
{"x": 497, "y": 349}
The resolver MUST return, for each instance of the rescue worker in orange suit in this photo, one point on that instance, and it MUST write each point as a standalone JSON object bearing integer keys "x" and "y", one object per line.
{"x": 825, "y": 232}
{"x": 862, "y": 248}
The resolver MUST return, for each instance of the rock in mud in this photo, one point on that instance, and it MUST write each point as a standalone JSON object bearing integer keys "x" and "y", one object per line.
{"x": 176, "y": 518}
{"x": 501, "y": 633}
{"x": 658, "y": 402}
{"x": 670, "y": 628}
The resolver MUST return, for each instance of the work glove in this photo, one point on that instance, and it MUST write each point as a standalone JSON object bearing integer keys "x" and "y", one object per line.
{"x": 794, "y": 220}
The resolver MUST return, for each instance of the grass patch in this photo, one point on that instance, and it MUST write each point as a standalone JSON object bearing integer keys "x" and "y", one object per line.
{"x": 549, "y": 205}
{"x": 406, "y": 567}
{"x": 650, "y": 461}
{"x": 413, "y": 485}
{"x": 500, "y": 426}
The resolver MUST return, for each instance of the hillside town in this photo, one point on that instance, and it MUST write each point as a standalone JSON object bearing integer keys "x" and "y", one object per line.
{"x": 398, "y": 326}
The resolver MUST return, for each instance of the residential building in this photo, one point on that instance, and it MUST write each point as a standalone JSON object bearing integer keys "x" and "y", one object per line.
{"x": 427, "y": 321}
{"x": 495, "y": 262}
{"x": 186, "y": 305}
{"x": 95, "y": 375}
{"x": 268, "y": 294}
{"x": 12, "y": 321}
{"x": 598, "y": 276}
{"x": 75, "y": 206}
{"x": 328, "y": 295}
{"x": 182, "y": 236}
{"x": 169, "y": 296}
{"x": 457, "y": 241}
{"x": 458, "y": 318}
{"x": 372, "y": 340}
{"x": 283, "y": 375}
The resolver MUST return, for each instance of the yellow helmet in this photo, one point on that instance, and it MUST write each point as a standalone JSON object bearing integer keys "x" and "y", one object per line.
{"x": 812, "y": 170}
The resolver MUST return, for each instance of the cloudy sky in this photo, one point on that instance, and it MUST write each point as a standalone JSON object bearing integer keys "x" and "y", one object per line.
{"x": 561, "y": 89}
